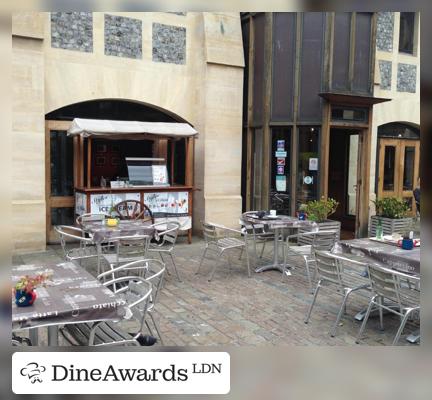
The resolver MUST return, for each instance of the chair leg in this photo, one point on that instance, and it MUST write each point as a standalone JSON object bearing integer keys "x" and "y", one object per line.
{"x": 166, "y": 267}
{"x": 366, "y": 317}
{"x": 156, "y": 327}
{"x": 255, "y": 252}
{"x": 313, "y": 302}
{"x": 341, "y": 311}
{"x": 380, "y": 311}
{"x": 247, "y": 260}
{"x": 175, "y": 267}
{"x": 214, "y": 268}
{"x": 149, "y": 328}
{"x": 402, "y": 326}
{"x": 202, "y": 259}
{"x": 308, "y": 273}
{"x": 262, "y": 249}
{"x": 241, "y": 253}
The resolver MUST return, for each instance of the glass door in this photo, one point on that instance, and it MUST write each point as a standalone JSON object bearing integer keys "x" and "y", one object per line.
{"x": 59, "y": 177}
{"x": 398, "y": 169}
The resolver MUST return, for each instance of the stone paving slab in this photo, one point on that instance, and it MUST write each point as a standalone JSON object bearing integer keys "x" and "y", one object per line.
{"x": 232, "y": 309}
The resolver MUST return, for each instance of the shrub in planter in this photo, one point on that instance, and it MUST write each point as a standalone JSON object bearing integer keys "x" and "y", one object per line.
{"x": 392, "y": 212}
{"x": 319, "y": 211}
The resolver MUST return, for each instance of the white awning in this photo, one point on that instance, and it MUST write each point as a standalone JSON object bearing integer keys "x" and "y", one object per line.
{"x": 114, "y": 129}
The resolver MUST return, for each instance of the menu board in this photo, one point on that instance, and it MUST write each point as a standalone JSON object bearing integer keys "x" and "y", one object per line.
{"x": 167, "y": 204}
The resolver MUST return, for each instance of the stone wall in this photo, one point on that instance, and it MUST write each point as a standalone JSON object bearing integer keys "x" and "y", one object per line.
{"x": 406, "y": 78}
{"x": 385, "y": 69}
{"x": 169, "y": 44}
{"x": 123, "y": 37}
{"x": 385, "y": 24}
{"x": 72, "y": 31}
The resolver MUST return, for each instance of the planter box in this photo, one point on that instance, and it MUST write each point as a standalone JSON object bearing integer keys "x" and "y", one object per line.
{"x": 328, "y": 225}
{"x": 390, "y": 225}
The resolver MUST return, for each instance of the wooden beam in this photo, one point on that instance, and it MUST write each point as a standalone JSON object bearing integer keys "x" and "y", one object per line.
{"x": 189, "y": 161}
{"x": 89, "y": 143}
{"x": 325, "y": 150}
{"x": 172, "y": 143}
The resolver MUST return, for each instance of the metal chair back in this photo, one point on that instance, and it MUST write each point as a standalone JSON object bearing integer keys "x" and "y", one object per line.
{"x": 328, "y": 268}
{"x": 324, "y": 240}
{"x": 209, "y": 232}
{"x": 170, "y": 234}
{"x": 385, "y": 283}
{"x": 73, "y": 233}
{"x": 89, "y": 217}
{"x": 131, "y": 247}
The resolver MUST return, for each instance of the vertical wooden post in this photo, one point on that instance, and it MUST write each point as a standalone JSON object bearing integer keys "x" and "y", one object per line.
{"x": 189, "y": 161}
{"x": 325, "y": 150}
{"x": 80, "y": 161}
{"x": 172, "y": 160}
{"x": 89, "y": 143}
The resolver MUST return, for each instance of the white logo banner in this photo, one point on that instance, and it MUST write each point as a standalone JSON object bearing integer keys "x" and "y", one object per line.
{"x": 121, "y": 373}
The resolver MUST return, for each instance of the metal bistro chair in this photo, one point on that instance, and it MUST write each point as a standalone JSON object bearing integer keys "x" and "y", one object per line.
{"x": 86, "y": 249}
{"x": 89, "y": 217}
{"x": 320, "y": 241}
{"x": 401, "y": 293}
{"x": 152, "y": 271}
{"x": 231, "y": 239}
{"x": 167, "y": 243}
{"x": 335, "y": 275}
{"x": 136, "y": 291}
{"x": 133, "y": 209}
{"x": 258, "y": 233}
{"x": 127, "y": 249}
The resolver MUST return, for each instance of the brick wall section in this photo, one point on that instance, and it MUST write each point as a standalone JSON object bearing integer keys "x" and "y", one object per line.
{"x": 169, "y": 44}
{"x": 406, "y": 78}
{"x": 385, "y": 23}
{"x": 123, "y": 37}
{"x": 72, "y": 31}
{"x": 386, "y": 74}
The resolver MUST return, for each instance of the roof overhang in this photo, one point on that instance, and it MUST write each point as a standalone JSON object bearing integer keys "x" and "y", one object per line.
{"x": 109, "y": 129}
{"x": 352, "y": 100}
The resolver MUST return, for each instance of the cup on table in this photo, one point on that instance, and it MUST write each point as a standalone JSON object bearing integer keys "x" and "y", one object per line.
{"x": 273, "y": 213}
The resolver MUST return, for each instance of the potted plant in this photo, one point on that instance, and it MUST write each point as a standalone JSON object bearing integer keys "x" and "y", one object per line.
{"x": 318, "y": 211}
{"x": 392, "y": 215}
{"x": 301, "y": 213}
{"x": 24, "y": 290}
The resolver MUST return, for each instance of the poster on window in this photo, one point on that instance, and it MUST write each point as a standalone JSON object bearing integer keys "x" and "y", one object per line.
{"x": 313, "y": 164}
{"x": 160, "y": 175}
{"x": 103, "y": 203}
{"x": 281, "y": 183}
{"x": 80, "y": 203}
{"x": 167, "y": 204}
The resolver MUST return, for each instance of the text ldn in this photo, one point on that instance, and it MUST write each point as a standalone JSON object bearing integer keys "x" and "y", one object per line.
{"x": 204, "y": 368}
{"x": 73, "y": 374}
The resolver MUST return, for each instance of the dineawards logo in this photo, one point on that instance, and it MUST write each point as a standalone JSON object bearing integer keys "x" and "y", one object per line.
{"x": 121, "y": 373}
{"x": 33, "y": 371}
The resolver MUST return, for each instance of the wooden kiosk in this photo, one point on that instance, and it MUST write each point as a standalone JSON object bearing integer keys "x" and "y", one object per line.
{"x": 101, "y": 148}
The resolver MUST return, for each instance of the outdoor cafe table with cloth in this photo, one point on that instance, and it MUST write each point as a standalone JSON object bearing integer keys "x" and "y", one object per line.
{"x": 275, "y": 224}
{"x": 103, "y": 233}
{"x": 388, "y": 255}
{"x": 71, "y": 295}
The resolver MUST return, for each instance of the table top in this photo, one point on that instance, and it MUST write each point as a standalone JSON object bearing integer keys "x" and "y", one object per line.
{"x": 279, "y": 221}
{"x": 407, "y": 261}
{"x": 102, "y": 232}
{"x": 72, "y": 295}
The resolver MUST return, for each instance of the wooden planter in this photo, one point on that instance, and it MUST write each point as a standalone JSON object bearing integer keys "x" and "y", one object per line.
{"x": 389, "y": 225}
{"x": 327, "y": 225}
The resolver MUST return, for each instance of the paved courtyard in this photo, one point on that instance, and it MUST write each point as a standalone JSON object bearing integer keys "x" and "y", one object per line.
{"x": 233, "y": 309}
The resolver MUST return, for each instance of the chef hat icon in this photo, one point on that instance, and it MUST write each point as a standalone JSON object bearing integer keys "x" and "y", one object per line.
{"x": 32, "y": 371}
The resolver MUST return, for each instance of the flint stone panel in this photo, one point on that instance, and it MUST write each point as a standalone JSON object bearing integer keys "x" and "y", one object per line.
{"x": 406, "y": 78}
{"x": 386, "y": 74}
{"x": 385, "y": 23}
{"x": 169, "y": 44}
{"x": 123, "y": 37}
{"x": 72, "y": 31}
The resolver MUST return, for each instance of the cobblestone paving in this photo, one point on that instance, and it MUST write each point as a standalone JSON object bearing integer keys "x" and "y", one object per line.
{"x": 233, "y": 309}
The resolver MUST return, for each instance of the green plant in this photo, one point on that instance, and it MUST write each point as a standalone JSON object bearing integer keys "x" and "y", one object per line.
{"x": 302, "y": 207}
{"x": 391, "y": 207}
{"x": 28, "y": 283}
{"x": 319, "y": 210}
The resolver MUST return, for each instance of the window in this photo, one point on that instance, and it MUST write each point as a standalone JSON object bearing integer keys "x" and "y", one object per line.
{"x": 406, "y": 32}
{"x": 307, "y": 174}
{"x": 349, "y": 114}
{"x": 61, "y": 164}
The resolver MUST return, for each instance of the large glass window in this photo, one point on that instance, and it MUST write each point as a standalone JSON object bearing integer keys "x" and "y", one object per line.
{"x": 61, "y": 149}
{"x": 406, "y": 32}
{"x": 308, "y": 164}
{"x": 389, "y": 167}
{"x": 280, "y": 170}
{"x": 408, "y": 173}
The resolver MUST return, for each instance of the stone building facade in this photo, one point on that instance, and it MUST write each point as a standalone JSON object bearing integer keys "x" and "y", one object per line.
{"x": 187, "y": 65}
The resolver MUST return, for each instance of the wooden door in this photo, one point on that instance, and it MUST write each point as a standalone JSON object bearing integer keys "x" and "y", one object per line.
{"x": 60, "y": 176}
{"x": 398, "y": 170}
